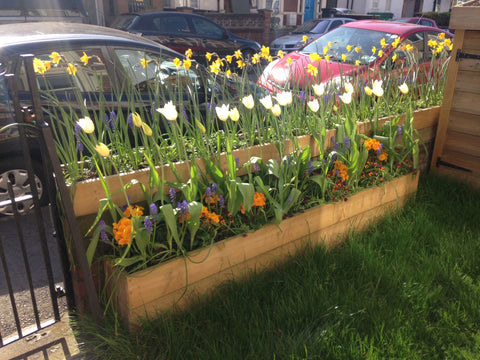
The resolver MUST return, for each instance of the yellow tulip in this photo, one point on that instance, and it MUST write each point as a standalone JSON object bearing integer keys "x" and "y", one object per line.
{"x": 86, "y": 124}
{"x": 102, "y": 149}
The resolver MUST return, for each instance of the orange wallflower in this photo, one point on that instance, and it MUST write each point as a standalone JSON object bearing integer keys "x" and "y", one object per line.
{"x": 133, "y": 210}
{"x": 258, "y": 199}
{"x": 372, "y": 144}
{"x": 123, "y": 231}
{"x": 383, "y": 156}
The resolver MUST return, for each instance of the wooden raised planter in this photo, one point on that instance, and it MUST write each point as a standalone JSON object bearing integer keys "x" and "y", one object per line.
{"x": 87, "y": 194}
{"x": 178, "y": 281}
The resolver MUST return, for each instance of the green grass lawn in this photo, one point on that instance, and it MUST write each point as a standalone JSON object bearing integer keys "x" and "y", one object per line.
{"x": 407, "y": 288}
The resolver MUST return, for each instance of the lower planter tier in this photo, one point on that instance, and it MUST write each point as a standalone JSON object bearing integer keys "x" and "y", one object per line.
{"x": 178, "y": 281}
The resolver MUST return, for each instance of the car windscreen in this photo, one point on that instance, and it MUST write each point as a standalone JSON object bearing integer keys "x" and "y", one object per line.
{"x": 351, "y": 45}
{"x": 123, "y": 22}
{"x": 311, "y": 26}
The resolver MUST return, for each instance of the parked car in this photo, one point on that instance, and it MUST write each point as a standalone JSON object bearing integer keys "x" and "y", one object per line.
{"x": 418, "y": 20}
{"x": 311, "y": 28}
{"x": 103, "y": 60}
{"x": 335, "y": 12}
{"x": 354, "y": 41}
{"x": 182, "y": 31}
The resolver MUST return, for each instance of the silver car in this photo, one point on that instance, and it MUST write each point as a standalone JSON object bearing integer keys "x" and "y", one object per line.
{"x": 312, "y": 29}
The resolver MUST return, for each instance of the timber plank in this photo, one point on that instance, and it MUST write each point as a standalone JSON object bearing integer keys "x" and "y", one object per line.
{"x": 466, "y": 102}
{"x": 466, "y": 161}
{"x": 465, "y": 123}
{"x": 464, "y": 18}
{"x": 469, "y": 81}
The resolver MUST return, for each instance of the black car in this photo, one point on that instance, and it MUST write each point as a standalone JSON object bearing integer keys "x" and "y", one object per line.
{"x": 103, "y": 60}
{"x": 182, "y": 31}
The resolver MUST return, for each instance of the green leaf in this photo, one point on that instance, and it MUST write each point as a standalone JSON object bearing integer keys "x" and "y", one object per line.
{"x": 92, "y": 247}
{"x": 170, "y": 220}
{"x": 248, "y": 191}
{"x": 273, "y": 168}
{"x": 195, "y": 210}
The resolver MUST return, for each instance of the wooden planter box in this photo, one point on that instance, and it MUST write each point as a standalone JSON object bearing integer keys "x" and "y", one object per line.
{"x": 87, "y": 194}
{"x": 178, "y": 281}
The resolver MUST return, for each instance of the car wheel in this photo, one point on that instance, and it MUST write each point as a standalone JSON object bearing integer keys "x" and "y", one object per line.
{"x": 18, "y": 176}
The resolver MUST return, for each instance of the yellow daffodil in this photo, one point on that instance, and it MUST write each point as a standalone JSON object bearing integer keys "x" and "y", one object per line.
{"x": 284, "y": 98}
{"x": 265, "y": 51}
{"x": 280, "y": 54}
{"x": 147, "y": 130}
{"x": 432, "y": 43}
{"x": 86, "y": 124}
{"x": 238, "y": 54}
{"x": 208, "y": 56}
{"x": 214, "y": 68}
{"x": 102, "y": 150}
{"x": 188, "y": 53}
{"x": 248, "y": 102}
{"x": 222, "y": 112}
{"x": 39, "y": 66}
{"x": 289, "y": 61}
{"x": 377, "y": 88}
{"x": 144, "y": 62}
{"x": 394, "y": 57}
{"x": 48, "y": 65}
{"x": 313, "y": 105}
{"x": 357, "y": 62}
{"x": 229, "y": 58}
{"x": 318, "y": 89}
{"x": 256, "y": 58}
{"x": 380, "y": 53}
{"x": 240, "y": 64}
{"x": 267, "y": 102}
{"x": 357, "y": 49}
{"x": 55, "y": 56}
{"x": 84, "y": 59}
{"x": 312, "y": 70}
{"x": 346, "y": 98}
{"x": 441, "y": 36}
{"x": 374, "y": 49}
{"x": 368, "y": 90}
{"x": 404, "y": 88}
{"x": 396, "y": 42}
{"x": 344, "y": 57}
{"x": 408, "y": 47}
{"x": 233, "y": 114}
{"x": 383, "y": 43}
{"x": 314, "y": 57}
{"x": 177, "y": 62}
{"x": 349, "y": 48}
{"x": 325, "y": 50}
{"x": 137, "y": 119}
{"x": 327, "y": 58}
{"x": 169, "y": 111}
{"x": 305, "y": 38}
{"x": 72, "y": 69}
{"x": 270, "y": 58}
{"x": 276, "y": 110}
{"x": 187, "y": 63}
{"x": 228, "y": 73}
{"x": 330, "y": 44}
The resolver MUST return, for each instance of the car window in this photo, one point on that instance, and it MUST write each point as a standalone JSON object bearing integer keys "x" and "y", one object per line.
{"x": 6, "y": 107}
{"x": 69, "y": 70}
{"x": 425, "y": 22}
{"x": 172, "y": 24}
{"x": 411, "y": 50}
{"x": 335, "y": 23}
{"x": 207, "y": 28}
{"x": 148, "y": 70}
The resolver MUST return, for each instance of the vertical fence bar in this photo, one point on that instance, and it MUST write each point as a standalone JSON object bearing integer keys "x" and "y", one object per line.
{"x": 11, "y": 195}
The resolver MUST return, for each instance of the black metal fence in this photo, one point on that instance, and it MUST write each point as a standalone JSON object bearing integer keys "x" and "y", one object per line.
{"x": 34, "y": 258}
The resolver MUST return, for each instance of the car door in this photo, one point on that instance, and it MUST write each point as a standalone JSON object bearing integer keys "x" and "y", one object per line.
{"x": 172, "y": 30}
{"x": 215, "y": 39}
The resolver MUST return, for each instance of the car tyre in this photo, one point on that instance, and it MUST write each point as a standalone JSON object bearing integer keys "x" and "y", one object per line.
{"x": 14, "y": 170}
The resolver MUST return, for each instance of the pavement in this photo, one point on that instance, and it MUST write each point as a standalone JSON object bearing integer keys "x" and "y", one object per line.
{"x": 55, "y": 342}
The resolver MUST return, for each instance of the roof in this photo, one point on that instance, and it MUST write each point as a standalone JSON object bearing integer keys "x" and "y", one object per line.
{"x": 22, "y": 33}
{"x": 394, "y": 27}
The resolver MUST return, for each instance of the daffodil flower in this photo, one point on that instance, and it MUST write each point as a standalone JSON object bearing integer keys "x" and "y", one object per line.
{"x": 312, "y": 70}
{"x": 102, "y": 150}
{"x": 344, "y": 57}
{"x": 229, "y": 58}
{"x": 72, "y": 69}
{"x": 248, "y": 102}
{"x": 187, "y": 63}
{"x": 349, "y": 48}
{"x": 188, "y": 53}
{"x": 305, "y": 38}
{"x": 318, "y": 89}
{"x": 86, "y": 124}
{"x": 280, "y": 54}
{"x": 284, "y": 98}
{"x": 177, "y": 62}
{"x": 383, "y": 43}
{"x": 222, "y": 112}
{"x": 169, "y": 111}
{"x": 39, "y": 66}
{"x": 240, "y": 64}
{"x": 265, "y": 51}
{"x": 208, "y": 56}
{"x": 313, "y": 105}
{"x": 55, "y": 56}
{"x": 267, "y": 102}
{"x": 84, "y": 59}
{"x": 238, "y": 54}
{"x": 314, "y": 57}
